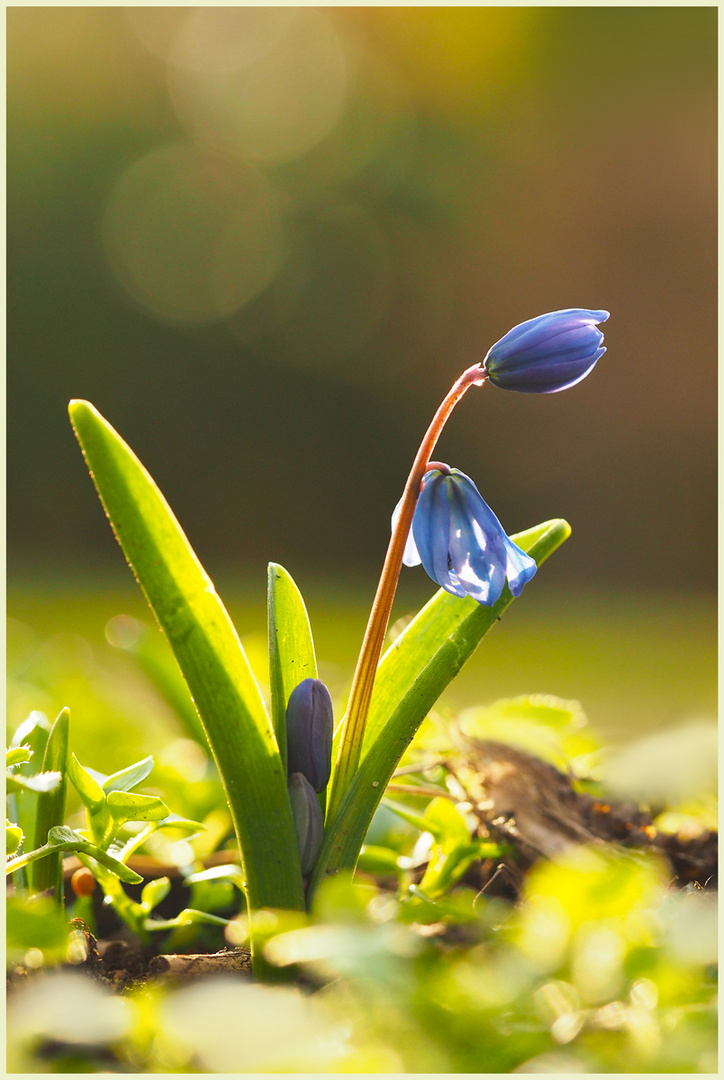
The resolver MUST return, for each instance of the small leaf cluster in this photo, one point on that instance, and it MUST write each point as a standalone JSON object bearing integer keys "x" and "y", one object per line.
{"x": 102, "y": 846}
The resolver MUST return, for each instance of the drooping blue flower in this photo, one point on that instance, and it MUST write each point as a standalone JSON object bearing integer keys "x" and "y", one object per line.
{"x": 548, "y": 353}
{"x": 460, "y": 542}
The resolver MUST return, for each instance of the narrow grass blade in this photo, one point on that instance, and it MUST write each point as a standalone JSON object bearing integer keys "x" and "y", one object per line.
{"x": 291, "y": 649}
{"x": 210, "y": 656}
{"x": 414, "y": 672}
{"x": 169, "y": 683}
{"x": 50, "y": 810}
{"x": 22, "y": 803}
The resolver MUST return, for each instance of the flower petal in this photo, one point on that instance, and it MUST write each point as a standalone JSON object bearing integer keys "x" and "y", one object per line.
{"x": 411, "y": 555}
{"x": 557, "y": 375}
{"x": 431, "y": 526}
{"x": 573, "y": 342}
{"x": 460, "y": 542}
{"x": 519, "y": 568}
{"x": 474, "y": 555}
{"x": 532, "y": 332}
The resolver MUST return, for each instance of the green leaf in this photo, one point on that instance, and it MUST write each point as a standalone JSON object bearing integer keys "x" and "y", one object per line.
{"x": 13, "y": 837}
{"x": 128, "y": 806}
{"x": 210, "y": 656}
{"x": 91, "y": 793}
{"x": 291, "y": 649}
{"x": 17, "y": 755}
{"x": 374, "y": 859}
{"x": 187, "y": 917}
{"x": 125, "y": 779}
{"x": 184, "y": 824}
{"x": 411, "y": 676}
{"x": 33, "y": 733}
{"x": 166, "y": 677}
{"x": 173, "y": 821}
{"x": 452, "y": 851}
{"x": 440, "y": 819}
{"x": 51, "y": 808}
{"x": 446, "y": 823}
{"x": 445, "y": 868}
{"x": 114, "y": 894}
{"x": 412, "y": 817}
{"x": 22, "y": 798}
{"x": 61, "y": 835}
{"x": 226, "y": 872}
{"x": 93, "y": 798}
{"x": 65, "y": 839}
{"x": 154, "y": 892}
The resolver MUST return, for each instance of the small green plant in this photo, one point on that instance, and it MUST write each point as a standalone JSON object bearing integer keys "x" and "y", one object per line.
{"x": 301, "y": 810}
{"x": 37, "y": 802}
{"x": 301, "y": 795}
{"x": 117, "y": 822}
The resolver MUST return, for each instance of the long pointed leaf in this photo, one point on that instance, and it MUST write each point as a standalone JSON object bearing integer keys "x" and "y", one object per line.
{"x": 171, "y": 687}
{"x": 419, "y": 665}
{"x": 291, "y": 649}
{"x": 210, "y": 656}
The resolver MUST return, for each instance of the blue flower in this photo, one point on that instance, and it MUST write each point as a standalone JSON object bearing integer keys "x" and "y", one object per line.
{"x": 547, "y": 354}
{"x": 460, "y": 542}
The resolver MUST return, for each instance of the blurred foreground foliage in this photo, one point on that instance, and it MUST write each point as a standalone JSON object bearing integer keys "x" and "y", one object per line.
{"x": 600, "y": 968}
{"x": 600, "y": 965}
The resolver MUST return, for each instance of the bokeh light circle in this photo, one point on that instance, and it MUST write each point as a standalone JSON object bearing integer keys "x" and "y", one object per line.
{"x": 192, "y": 238}
{"x": 265, "y": 84}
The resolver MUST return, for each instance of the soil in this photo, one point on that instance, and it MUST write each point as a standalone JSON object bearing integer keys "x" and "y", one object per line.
{"x": 539, "y": 812}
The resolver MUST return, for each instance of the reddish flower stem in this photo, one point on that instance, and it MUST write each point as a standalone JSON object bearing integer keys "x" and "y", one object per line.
{"x": 350, "y": 743}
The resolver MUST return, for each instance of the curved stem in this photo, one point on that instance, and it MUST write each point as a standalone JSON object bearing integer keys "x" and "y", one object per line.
{"x": 350, "y": 744}
{"x": 30, "y": 856}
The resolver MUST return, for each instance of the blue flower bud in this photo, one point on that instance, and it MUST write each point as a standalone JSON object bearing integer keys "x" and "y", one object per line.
{"x": 460, "y": 542}
{"x": 308, "y": 820}
{"x": 548, "y": 353}
{"x": 310, "y": 727}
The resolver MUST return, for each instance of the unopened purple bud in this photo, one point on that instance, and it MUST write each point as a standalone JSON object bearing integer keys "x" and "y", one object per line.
{"x": 548, "y": 353}
{"x": 308, "y": 820}
{"x": 310, "y": 728}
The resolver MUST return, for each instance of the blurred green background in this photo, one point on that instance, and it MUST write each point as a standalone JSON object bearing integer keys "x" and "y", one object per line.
{"x": 265, "y": 241}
